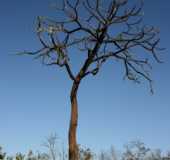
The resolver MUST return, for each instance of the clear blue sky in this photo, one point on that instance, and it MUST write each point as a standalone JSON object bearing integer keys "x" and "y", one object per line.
{"x": 34, "y": 99}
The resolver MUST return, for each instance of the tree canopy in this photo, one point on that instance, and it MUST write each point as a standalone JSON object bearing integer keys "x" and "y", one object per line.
{"x": 93, "y": 28}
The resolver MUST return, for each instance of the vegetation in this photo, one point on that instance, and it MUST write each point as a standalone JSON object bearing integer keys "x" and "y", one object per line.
{"x": 133, "y": 151}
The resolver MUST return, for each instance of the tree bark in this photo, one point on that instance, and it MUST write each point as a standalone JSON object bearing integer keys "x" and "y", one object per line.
{"x": 73, "y": 148}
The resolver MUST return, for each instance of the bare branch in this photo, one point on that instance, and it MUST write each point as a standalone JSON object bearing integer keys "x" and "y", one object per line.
{"x": 93, "y": 33}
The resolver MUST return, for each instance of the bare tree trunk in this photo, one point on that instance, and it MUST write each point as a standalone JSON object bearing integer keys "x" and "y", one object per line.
{"x": 73, "y": 148}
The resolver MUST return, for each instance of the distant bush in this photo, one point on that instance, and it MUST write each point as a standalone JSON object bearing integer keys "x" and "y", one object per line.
{"x": 133, "y": 151}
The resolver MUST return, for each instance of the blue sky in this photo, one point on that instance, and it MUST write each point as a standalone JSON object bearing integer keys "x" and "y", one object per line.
{"x": 34, "y": 99}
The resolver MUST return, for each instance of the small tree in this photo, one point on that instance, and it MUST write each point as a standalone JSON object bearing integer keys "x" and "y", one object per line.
{"x": 90, "y": 27}
{"x": 51, "y": 145}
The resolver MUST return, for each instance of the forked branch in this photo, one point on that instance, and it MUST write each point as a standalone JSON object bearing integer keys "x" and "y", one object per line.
{"x": 90, "y": 28}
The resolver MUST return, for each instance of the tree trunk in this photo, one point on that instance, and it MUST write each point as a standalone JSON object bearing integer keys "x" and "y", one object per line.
{"x": 73, "y": 148}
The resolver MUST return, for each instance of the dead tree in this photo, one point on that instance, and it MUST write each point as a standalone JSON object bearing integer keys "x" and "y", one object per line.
{"x": 101, "y": 30}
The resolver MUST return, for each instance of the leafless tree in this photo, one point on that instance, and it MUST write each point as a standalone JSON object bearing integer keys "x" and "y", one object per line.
{"x": 90, "y": 28}
{"x": 51, "y": 145}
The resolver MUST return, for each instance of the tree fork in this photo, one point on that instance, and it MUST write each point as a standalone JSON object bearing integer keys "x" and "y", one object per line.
{"x": 73, "y": 148}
